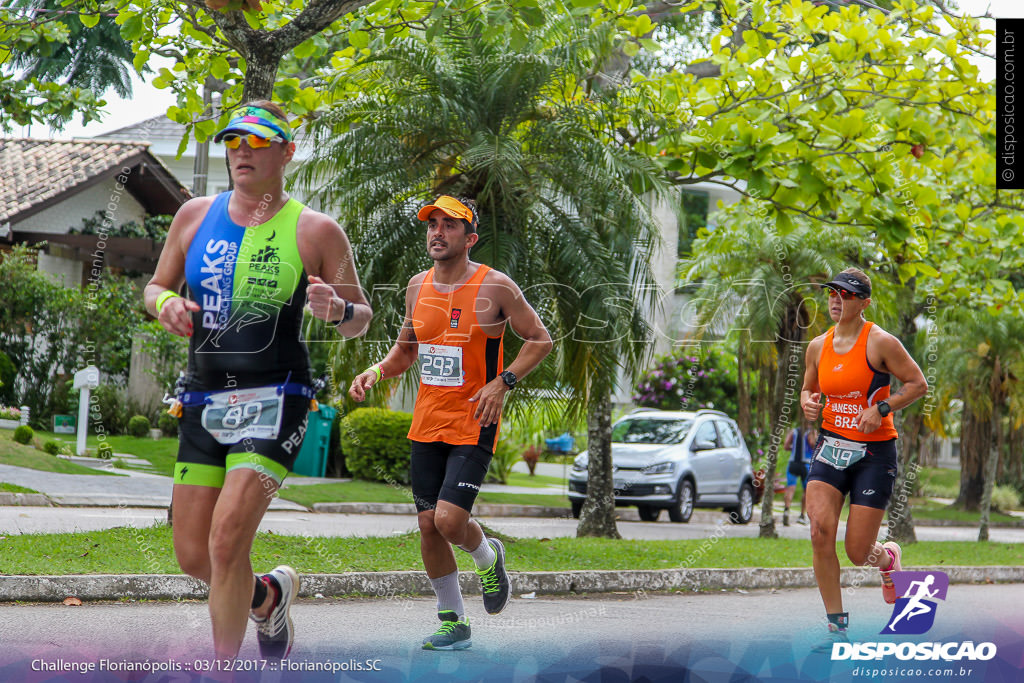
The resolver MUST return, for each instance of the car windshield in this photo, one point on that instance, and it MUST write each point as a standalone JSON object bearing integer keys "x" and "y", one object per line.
{"x": 650, "y": 431}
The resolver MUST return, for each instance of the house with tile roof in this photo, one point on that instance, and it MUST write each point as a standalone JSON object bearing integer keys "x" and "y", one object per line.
{"x": 51, "y": 187}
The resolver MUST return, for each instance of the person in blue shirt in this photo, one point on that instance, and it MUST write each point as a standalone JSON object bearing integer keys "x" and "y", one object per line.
{"x": 800, "y": 443}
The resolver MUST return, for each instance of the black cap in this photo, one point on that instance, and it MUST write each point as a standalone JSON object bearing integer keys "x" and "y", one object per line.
{"x": 850, "y": 283}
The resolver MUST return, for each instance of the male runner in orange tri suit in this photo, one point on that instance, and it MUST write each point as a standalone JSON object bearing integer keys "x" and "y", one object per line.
{"x": 455, "y": 318}
{"x": 851, "y": 364}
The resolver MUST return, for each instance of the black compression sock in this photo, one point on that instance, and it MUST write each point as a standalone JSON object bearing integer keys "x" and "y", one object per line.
{"x": 259, "y": 593}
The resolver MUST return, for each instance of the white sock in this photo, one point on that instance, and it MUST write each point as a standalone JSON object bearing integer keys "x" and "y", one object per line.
{"x": 449, "y": 595}
{"x": 484, "y": 554}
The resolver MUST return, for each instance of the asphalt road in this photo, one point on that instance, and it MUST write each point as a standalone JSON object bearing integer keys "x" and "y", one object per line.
{"x": 15, "y": 520}
{"x": 722, "y": 636}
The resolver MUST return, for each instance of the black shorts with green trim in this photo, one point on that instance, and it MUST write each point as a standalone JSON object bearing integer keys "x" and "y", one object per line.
{"x": 203, "y": 461}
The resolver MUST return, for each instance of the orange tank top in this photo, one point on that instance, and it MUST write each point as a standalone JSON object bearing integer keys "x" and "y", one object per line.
{"x": 850, "y": 385}
{"x": 456, "y": 359}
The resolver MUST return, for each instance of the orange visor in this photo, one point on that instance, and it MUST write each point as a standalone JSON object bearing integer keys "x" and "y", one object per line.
{"x": 450, "y": 205}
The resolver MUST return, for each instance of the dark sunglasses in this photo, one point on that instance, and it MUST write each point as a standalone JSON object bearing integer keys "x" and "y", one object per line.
{"x": 844, "y": 294}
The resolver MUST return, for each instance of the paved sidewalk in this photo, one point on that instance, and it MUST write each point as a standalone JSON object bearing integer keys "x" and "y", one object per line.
{"x": 135, "y": 489}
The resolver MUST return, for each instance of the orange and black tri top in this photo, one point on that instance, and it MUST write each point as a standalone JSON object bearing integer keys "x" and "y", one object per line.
{"x": 851, "y": 385}
{"x": 456, "y": 359}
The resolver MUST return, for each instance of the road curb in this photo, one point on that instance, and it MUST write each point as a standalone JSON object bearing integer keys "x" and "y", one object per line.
{"x": 479, "y": 510}
{"x": 389, "y": 584}
{"x": 34, "y": 499}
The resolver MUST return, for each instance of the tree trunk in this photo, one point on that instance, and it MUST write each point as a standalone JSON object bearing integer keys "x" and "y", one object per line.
{"x": 597, "y": 517}
{"x": 992, "y": 466}
{"x": 788, "y": 380}
{"x": 742, "y": 390}
{"x": 1014, "y": 455}
{"x": 975, "y": 442}
{"x": 901, "y": 519}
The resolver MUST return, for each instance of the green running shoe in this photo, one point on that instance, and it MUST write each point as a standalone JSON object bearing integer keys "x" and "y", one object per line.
{"x": 452, "y": 635}
{"x": 494, "y": 580}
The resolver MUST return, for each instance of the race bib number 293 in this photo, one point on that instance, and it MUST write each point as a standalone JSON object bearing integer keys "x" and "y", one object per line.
{"x": 441, "y": 365}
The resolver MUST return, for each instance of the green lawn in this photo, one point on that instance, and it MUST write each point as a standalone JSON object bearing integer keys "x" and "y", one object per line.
{"x": 926, "y": 509}
{"x": 376, "y": 492}
{"x": 538, "y": 480}
{"x": 148, "y": 551}
{"x": 160, "y": 453}
{"x": 20, "y": 455}
{"x": 14, "y": 488}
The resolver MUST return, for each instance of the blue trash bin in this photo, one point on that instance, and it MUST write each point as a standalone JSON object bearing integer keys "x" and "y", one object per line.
{"x": 561, "y": 444}
{"x": 316, "y": 445}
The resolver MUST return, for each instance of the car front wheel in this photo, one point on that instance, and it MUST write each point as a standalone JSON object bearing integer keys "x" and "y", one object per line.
{"x": 744, "y": 511}
{"x": 682, "y": 508}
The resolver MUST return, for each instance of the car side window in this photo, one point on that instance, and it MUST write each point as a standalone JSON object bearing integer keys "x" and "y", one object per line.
{"x": 706, "y": 432}
{"x": 728, "y": 434}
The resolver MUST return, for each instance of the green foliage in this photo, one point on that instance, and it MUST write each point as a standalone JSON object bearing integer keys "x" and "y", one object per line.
{"x": 168, "y": 424}
{"x": 52, "y": 447}
{"x": 108, "y": 409}
{"x": 506, "y": 454}
{"x": 153, "y": 227}
{"x": 375, "y": 444}
{"x": 25, "y": 98}
{"x": 471, "y": 111}
{"x": 169, "y": 353}
{"x": 92, "y": 34}
{"x": 138, "y": 426}
{"x": 690, "y": 378}
{"x": 23, "y": 434}
{"x": 8, "y": 373}
{"x": 1005, "y": 498}
{"x": 104, "y": 451}
{"x": 44, "y": 326}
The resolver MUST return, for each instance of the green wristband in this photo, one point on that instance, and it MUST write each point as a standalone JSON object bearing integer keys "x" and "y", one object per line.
{"x": 376, "y": 369}
{"x": 162, "y": 299}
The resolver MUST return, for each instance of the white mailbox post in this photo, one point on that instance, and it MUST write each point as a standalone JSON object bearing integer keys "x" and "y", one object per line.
{"x": 86, "y": 379}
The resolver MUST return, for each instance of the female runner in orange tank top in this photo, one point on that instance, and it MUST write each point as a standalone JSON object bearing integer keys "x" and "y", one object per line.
{"x": 851, "y": 365}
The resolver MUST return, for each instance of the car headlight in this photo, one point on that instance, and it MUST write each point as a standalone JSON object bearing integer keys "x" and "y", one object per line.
{"x": 580, "y": 463}
{"x": 659, "y": 468}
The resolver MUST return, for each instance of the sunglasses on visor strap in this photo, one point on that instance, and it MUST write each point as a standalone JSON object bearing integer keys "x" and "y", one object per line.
{"x": 233, "y": 140}
{"x": 843, "y": 293}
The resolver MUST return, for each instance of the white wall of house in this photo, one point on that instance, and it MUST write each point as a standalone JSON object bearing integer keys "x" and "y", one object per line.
{"x": 62, "y": 217}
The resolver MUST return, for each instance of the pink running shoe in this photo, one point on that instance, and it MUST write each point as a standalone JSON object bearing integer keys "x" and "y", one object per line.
{"x": 888, "y": 589}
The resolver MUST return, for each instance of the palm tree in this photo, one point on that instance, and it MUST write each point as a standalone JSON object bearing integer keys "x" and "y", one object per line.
{"x": 764, "y": 281}
{"x": 94, "y": 57}
{"x": 983, "y": 365}
{"x": 563, "y": 204}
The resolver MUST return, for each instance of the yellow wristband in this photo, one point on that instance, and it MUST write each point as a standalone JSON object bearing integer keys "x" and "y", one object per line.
{"x": 162, "y": 299}
{"x": 376, "y": 369}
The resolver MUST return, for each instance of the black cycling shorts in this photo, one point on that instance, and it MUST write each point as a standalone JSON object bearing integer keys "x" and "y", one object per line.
{"x": 869, "y": 481}
{"x": 203, "y": 461}
{"x": 441, "y": 471}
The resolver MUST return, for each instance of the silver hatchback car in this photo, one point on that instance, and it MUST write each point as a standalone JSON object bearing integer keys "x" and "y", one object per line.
{"x": 675, "y": 461}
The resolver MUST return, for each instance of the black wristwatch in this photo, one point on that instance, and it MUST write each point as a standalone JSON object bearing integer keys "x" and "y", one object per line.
{"x": 509, "y": 379}
{"x": 884, "y": 408}
{"x": 347, "y": 315}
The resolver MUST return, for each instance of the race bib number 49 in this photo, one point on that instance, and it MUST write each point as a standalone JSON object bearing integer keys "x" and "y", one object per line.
{"x": 231, "y": 416}
{"x": 441, "y": 365}
{"x": 840, "y": 453}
